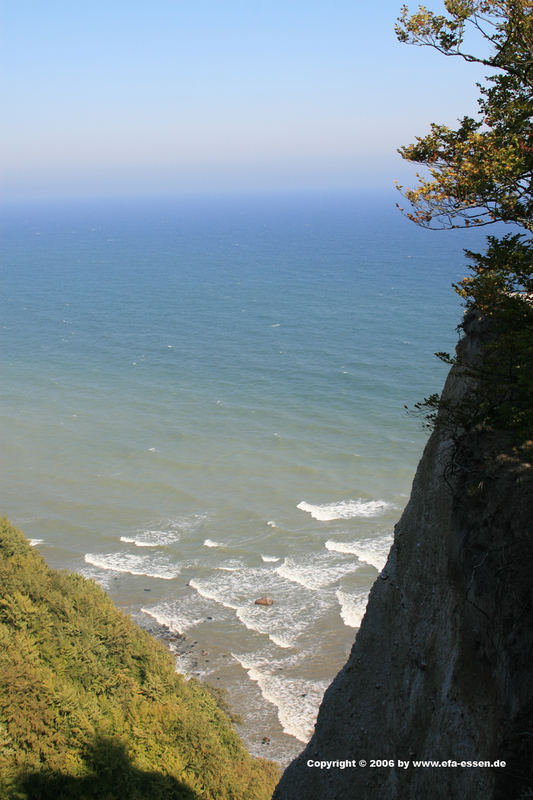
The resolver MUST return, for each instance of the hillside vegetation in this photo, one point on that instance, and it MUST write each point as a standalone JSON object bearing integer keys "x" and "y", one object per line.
{"x": 91, "y": 706}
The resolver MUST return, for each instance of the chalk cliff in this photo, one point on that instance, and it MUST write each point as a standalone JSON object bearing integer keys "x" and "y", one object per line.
{"x": 442, "y": 665}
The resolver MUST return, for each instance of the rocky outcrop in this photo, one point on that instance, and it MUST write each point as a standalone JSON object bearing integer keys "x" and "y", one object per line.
{"x": 441, "y": 668}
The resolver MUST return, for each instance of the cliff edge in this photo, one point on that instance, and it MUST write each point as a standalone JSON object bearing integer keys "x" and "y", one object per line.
{"x": 441, "y": 668}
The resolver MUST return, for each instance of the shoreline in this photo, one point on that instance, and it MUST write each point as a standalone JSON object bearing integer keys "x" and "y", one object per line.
{"x": 265, "y": 742}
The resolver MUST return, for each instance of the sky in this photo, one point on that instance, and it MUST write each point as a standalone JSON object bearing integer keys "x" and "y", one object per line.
{"x": 170, "y": 96}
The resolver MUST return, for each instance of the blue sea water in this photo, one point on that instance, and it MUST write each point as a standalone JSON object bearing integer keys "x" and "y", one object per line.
{"x": 203, "y": 403}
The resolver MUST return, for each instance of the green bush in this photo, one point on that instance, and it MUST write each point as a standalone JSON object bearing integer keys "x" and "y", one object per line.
{"x": 91, "y": 706}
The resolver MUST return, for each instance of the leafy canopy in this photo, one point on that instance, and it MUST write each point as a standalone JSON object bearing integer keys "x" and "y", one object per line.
{"x": 481, "y": 172}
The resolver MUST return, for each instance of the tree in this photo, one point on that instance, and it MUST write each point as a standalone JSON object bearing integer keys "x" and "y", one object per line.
{"x": 477, "y": 174}
{"x": 481, "y": 172}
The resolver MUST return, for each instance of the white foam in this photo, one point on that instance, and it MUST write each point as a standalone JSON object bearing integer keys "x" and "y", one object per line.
{"x": 135, "y": 565}
{"x": 258, "y": 619}
{"x": 342, "y": 547}
{"x": 238, "y": 589}
{"x": 152, "y": 538}
{"x": 373, "y": 551}
{"x": 269, "y": 559}
{"x": 314, "y": 572}
{"x": 188, "y": 522}
{"x": 271, "y": 523}
{"x": 280, "y": 641}
{"x": 34, "y": 542}
{"x": 296, "y": 700}
{"x": 136, "y": 542}
{"x": 211, "y": 593}
{"x": 344, "y": 509}
{"x": 211, "y": 543}
{"x": 231, "y": 565}
{"x": 170, "y": 532}
{"x": 175, "y": 621}
{"x": 101, "y": 577}
{"x": 353, "y": 607}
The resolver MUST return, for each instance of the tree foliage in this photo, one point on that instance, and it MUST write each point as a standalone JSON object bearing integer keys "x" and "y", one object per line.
{"x": 482, "y": 171}
{"x": 497, "y": 294}
{"x": 91, "y": 706}
{"x": 499, "y": 290}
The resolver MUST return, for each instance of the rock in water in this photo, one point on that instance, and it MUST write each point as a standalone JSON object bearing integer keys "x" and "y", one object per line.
{"x": 264, "y": 601}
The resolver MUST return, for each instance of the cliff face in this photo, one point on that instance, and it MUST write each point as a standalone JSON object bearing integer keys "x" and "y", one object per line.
{"x": 441, "y": 667}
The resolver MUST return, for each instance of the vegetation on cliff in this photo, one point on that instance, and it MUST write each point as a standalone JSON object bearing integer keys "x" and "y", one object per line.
{"x": 91, "y": 706}
{"x": 478, "y": 174}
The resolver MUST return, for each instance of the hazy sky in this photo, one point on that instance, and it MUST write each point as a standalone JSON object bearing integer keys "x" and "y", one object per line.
{"x": 164, "y": 96}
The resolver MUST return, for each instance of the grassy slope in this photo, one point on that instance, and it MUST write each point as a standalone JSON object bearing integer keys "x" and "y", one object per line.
{"x": 91, "y": 705}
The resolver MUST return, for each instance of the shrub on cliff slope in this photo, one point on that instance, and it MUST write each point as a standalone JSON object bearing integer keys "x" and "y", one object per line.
{"x": 91, "y": 705}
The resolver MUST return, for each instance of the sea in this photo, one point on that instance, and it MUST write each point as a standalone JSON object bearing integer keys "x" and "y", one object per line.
{"x": 203, "y": 404}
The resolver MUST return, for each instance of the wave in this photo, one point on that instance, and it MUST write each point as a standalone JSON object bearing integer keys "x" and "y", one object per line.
{"x": 372, "y": 551}
{"x": 211, "y": 543}
{"x": 189, "y": 522}
{"x": 353, "y": 607}
{"x": 211, "y": 593}
{"x": 170, "y": 532}
{"x": 152, "y": 538}
{"x": 296, "y": 700}
{"x": 342, "y": 547}
{"x": 269, "y": 559}
{"x": 136, "y": 542}
{"x": 134, "y": 565}
{"x": 258, "y": 622}
{"x": 281, "y": 641}
{"x": 283, "y": 622}
{"x": 314, "y": 572}
{"x": 34, "y": 542}
{"x": 174, "y": 620}
{"x": 344, "y": 509}
{"x": 226, "y": 593}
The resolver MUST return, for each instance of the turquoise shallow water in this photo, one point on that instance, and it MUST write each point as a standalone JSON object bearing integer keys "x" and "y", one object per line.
{"x": 203, "y": 403}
